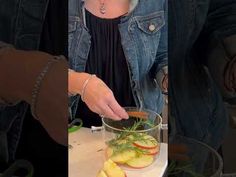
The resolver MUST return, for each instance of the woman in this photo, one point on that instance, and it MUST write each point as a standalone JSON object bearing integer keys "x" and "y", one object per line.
{"x": 119, "y": 48}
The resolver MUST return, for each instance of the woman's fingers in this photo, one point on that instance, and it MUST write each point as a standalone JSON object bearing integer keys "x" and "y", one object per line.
{"x": 107, "y": 112}
{"x": 111, "y": 109}
{"x": 117, "y": 109}
{"x": 100, "y": 99}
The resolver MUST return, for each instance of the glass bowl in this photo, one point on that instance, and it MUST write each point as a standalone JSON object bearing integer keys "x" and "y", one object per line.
{"x": 133, "y": 143}
{"x": 202, "y": 160}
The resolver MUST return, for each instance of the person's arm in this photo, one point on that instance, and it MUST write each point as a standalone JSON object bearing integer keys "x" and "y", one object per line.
{"x": 96, "y": 94}
{"x": 40, "y": 80}
{"x": 19, "y": 70}
{"x": 220, "y": 37}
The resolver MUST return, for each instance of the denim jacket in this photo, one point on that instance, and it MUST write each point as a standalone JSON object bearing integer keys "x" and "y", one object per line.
{"x": 144, "y": 39}
{"x": 196, "y": 106}
{"x": 21, "y": 24}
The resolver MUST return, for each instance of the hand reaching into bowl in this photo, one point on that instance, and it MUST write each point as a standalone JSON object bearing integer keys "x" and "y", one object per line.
{"x": 96, "y": 94}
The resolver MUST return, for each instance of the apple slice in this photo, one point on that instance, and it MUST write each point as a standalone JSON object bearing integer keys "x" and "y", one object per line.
{"x": 153, "y": 151}
{"x": 102, "y": 174}
{"x": 112, "y": 169}
{"x": 121, "y": 157}
{"x": 141, "y": 161}
{"x": 109, "y": 152}
{"x": 148, "y": 143}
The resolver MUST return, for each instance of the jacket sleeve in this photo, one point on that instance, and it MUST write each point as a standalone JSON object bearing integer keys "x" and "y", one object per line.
{"x": 160, "y": 67}
{"x": 220, "y": 35}
{"x": 3, "y": 47}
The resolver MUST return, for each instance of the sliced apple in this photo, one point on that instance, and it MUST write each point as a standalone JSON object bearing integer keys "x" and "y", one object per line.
{"x": 109, "y": 152}
{"x": 121, "y": 157}
{"x": 153, "y": 151}
{"x": 148, "y": 143}
{"x": 112, "y": 169}
{"x": 141, "y": 161}
{"x": 102, "y": 174}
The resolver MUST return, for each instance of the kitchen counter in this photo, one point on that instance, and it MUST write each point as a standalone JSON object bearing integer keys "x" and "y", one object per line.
{"x": 86, "y": 157}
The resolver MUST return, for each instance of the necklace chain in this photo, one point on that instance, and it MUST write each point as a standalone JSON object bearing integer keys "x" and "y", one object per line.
{"x": 102, "y": 8}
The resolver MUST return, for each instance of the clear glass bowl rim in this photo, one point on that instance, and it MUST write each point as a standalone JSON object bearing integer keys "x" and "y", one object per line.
{"x": 219, "y": 170}
{"x": 158, "y": 126}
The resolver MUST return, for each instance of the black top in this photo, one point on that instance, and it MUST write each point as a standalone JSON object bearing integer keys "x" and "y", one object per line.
{"x": 107, "y": 60}
{"x": 54, "y": 36}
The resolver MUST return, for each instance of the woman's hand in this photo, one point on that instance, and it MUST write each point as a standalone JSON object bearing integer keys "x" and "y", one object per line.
{"x": 165, "y": 84}
{"x": 98, "y": 97}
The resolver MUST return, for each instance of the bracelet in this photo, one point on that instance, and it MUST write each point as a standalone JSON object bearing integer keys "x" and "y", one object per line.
{"x": 69, "y": 93}
{"x": 37, "y": 86}
{"x": 85, "y": 85}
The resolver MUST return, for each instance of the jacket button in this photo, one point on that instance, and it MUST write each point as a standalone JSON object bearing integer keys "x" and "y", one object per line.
{"x": 152, "y": 27}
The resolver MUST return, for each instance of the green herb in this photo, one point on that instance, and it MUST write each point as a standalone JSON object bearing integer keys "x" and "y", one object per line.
{"x": 127, "y": 146}
{"x": 176, "y": 169}
{"x": 124, "y": 140}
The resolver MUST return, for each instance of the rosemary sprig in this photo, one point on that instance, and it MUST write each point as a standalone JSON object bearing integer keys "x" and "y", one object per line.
{"x": 127, "y": 146}
{"x": 124, "y": 140}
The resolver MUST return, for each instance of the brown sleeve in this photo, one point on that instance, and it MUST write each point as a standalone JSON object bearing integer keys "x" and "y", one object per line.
{"x": 19, "y": 71}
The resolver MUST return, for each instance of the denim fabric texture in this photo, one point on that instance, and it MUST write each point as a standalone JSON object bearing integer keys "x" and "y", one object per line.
{"x": 196, "y": 105}
{"x": 21, "y": 24}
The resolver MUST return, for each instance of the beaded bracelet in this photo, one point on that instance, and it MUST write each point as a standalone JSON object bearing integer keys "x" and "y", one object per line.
{"x": 38, "y": 84}
{"x": 85, "y": 85}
